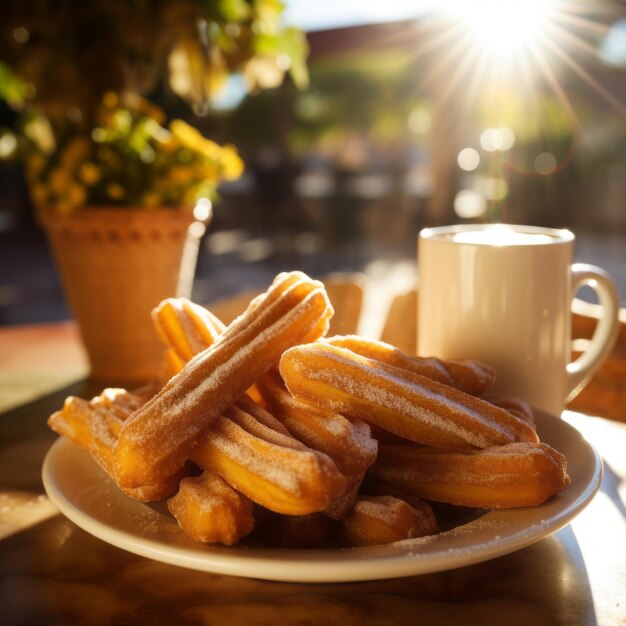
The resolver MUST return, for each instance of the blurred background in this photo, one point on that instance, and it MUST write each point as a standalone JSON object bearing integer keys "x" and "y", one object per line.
{"x": 410, "y": 114}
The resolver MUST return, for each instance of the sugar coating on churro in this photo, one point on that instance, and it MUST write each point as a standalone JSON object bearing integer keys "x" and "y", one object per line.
{"x": 229, "y": 438}
{"x": 349, "y": 443}
{"x": 210, "y": 510}
{"x": 274, "y": 470}
{"x": 178, "y": 403}
{"x": 407, "y": 404}
{"x": 518, "y": 474}
{"x": 389, "y": 399}
{"x": 157, "y": 438}
{"x": 330, "y": 450}
{"x": 470, "y": 376}
{"x": 375, "y": 520}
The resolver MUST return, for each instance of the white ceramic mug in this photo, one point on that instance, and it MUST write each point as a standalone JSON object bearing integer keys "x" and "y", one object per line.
{"x": 502, "y": 294}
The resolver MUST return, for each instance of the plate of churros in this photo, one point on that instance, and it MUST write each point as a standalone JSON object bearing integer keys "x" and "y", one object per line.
{"x": 272, "y": 450}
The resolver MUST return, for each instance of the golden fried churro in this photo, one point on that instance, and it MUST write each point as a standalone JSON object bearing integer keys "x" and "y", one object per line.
{"x": 120, "y": 402}
{"x": 348, "y": 443}
{"x": 472, "y": 377}
{"x": 157, "y": 439}
{"x": 272, "y": 469}
{"x": 517, "y": 474}
{"x": 172, "y": 364}
{"x": 407, "y": 404}
{"x": 517, "y": 406}
{"x": 186, "y": 327}
{"x": 94, "y": 426}
{"x": 209, "y": 510}
{"x": 383, "y": 519}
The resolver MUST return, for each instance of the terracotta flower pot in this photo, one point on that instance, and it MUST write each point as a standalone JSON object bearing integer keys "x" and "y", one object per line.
{"x": 115, "y": 266}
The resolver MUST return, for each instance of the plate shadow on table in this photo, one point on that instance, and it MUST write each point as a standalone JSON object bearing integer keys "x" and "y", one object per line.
{"x": 86, "y": 581}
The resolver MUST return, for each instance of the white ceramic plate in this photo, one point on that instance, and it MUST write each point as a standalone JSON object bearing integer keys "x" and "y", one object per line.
{"x": 88, "y": 497}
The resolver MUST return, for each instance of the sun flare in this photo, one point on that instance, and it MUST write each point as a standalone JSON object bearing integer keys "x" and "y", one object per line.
{"x": 523, "y": 42}
{"x": 503, "y": 27}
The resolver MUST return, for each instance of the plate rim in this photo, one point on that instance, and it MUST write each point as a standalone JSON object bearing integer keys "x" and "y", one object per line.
{"x": 329, "y": 565}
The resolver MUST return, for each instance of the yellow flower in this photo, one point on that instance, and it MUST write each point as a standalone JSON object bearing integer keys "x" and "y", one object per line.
{"x": 209, "y": 149}
{"x": 180, "y": 175}
{"x": 39, "y": 131}
{"x": 115, "y": 191}
{"x": 58, "y": 180}
{"x": 187, "y": 135}
{"x": 190, "y": 197}
{"x": 232, "y": 163}
{"x": 89, "y": 173}
{"x": 122, "y": 120}
{"x": 161, "y": 135}
{"x": 208, "y": 171}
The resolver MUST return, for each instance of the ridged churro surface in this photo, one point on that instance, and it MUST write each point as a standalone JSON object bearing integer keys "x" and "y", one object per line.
{"x": 409, "y": 405}
{"x": 158, "y": 438}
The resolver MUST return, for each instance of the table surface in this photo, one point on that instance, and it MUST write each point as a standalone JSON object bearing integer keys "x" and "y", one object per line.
{"x": 52, "y": 572}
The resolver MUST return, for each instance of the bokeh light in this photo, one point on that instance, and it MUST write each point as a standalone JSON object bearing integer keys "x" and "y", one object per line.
{"x": 468, "y": 159}
{"x": 203, "y": 209}
{"x": 419, "y": 121}
{"x": 545, "y": 163}
{"x": 492, "y": 188}
{"x": 469, "y": 204}
{"x": 507, "y": 138}
{"x": 493, "y": 139}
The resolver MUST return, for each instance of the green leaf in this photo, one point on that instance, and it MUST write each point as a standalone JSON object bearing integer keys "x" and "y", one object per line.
{"x": 12, "y": 89}
{"x": 234, "y": 10}
{"x": 297, "y": 47}
{"x": 292, "y": 43}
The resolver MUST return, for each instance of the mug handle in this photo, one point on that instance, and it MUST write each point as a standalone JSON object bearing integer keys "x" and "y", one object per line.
{"x": 604, "y": 336}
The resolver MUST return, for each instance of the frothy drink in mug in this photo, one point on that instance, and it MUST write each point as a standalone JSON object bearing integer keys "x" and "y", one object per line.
{"x": 502, "y": 294}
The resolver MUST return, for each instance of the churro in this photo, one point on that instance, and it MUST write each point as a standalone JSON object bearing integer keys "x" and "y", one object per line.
{"x": 94, "y": 425}
{"x": 409, "y": 405}
{"x": 158, "y": 438}
{"x": 186, "y": 327}
{"x": 348, "y": 443}
{"x": 472, "y": 377}
{"x": 274, "y": 470}
{"x": 209, "y": 510}
{"x": 513, "y": 405}
{"x": 376, "y": 520}
{"x": 265, "y": 422}
{"x": 92, "y": 428}
{"x": 514, "y": 475}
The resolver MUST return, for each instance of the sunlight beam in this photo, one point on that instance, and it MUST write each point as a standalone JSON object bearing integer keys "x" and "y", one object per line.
{"x": 585, "y": 75}
{"x": 502, "y": 26}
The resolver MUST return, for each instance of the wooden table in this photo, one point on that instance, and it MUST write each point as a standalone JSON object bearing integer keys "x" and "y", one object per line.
{"x": 52, "y": 572}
